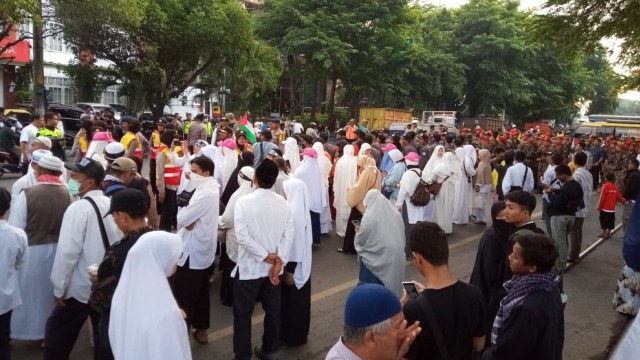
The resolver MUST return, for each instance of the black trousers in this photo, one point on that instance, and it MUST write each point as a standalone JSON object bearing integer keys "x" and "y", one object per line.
{"x": 5, "y": 336}
{"x": 595, "y": 173}
{"x": 103, "y": 346}
{"x": 348, "y": 245}
{"x": 191, "y": 290}
{"x": 169, "y": 212}
{"x": 153, "y": 176}
{"x": 63, "y": 327}
{"x": 25, "y": 168}
{"x": 245, "y": 294}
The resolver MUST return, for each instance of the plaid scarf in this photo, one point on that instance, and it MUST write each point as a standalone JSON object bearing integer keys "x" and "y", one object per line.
{"x": 517, "y": 290}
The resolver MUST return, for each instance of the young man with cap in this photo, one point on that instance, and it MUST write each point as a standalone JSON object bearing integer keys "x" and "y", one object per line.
{"x": 458, "y": 308}
{"x": 39, "y": 210}
{"x": 123, "y": 171}
{"x": 53, "y": 133}
{"x": 13, "y": 250}
{"x": 27, "y": 135}
{"x": 198, "y": 228}
{"x": 128, "y": 208}
{"x": 113, "y": 151}
{"x": 222, "y": 123}
{"x": 264, "y": 239}
{"x": 277, "y": 135}
{"x": 374, "y": 327}
{"x": 85, "y": 234}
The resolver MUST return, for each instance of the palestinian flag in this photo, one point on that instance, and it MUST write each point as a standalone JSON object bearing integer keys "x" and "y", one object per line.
{"x": 247, "y": 127}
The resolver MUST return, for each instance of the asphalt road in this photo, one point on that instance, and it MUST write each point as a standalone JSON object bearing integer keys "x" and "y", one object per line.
{"x": 592, "y": 327}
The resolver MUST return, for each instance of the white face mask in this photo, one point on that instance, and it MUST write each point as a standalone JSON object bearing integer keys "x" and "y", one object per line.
{"x": 197, "y": 180}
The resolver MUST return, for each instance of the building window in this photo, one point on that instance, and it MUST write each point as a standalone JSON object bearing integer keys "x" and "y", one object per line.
{"x": 53, "y": 41}
{"x": 110, "y": 96}
{"x": 63, "y": 92}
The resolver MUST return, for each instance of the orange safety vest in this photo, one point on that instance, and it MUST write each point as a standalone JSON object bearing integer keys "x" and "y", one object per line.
{"x": 172, "y": 172}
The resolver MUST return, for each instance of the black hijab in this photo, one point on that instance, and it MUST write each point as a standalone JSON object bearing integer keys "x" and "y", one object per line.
{"x": 244, "y": 159}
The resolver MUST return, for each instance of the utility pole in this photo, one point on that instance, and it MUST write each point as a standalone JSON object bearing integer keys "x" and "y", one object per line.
{"x": 38, "y": 62}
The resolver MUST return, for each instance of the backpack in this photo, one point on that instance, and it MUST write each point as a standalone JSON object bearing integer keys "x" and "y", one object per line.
{"x": 421, "y": 195}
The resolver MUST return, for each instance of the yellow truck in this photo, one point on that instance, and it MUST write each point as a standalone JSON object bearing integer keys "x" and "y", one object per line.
{"x": 382, "y": 118}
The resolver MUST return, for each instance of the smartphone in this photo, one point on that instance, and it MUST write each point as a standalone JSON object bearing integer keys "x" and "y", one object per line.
{"x": 355, "y": 223}
{"x": 411, "y": 289}
{"x": 176, "y": 142}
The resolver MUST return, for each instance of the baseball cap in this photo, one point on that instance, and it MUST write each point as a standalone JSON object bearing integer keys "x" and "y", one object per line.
{"x": 124, "y": 164}
{"x": 113, "y": 151}
{"x": 342, "y": 132}
{"x": 412, "y": 158}
{"x": 88, "y": 167}
{"x": 128, "y": 201}
{"x": 370, "y": 304}
{"x": 45, "y": 141}
{"x": 389, "y": 147}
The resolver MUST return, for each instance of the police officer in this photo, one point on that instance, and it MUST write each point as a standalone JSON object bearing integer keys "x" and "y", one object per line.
{"x": 50, "y": 130}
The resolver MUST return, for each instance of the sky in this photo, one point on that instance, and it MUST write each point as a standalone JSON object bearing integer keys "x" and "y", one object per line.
{"x": 524, "y": 4}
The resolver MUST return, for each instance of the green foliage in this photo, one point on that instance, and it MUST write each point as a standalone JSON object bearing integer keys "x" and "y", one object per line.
{"x": 160, "y": 47}
{"x": 14, "y": 13}
{"x": 89, "y": 81}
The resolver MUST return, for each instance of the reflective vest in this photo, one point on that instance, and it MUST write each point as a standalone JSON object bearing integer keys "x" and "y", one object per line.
{"x": 187, "y": 125}
{"x": 171, "y": 172}
{"x": 208, "y": 129}
{"x": 126, "y": 140}
{"x": 155, "y": 143}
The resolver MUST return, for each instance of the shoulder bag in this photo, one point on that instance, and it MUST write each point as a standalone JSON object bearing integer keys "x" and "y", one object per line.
{"x": 434, "y": 187}
{"x": 103, "y": 231}
{"x": 434, "y": 327}
{"x": 521, "y": 187}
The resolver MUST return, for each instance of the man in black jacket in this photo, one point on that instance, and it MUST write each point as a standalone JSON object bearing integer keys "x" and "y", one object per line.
{"x": 563, "y": 205}
{"x": 630, "y": 191}
{"x": 530, "y": 321}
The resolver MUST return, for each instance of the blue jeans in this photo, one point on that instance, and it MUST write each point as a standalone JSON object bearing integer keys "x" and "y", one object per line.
{"x": 366, "y": 276}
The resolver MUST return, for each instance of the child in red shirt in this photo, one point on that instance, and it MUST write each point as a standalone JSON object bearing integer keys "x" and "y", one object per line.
{"x": 609, "y": 197}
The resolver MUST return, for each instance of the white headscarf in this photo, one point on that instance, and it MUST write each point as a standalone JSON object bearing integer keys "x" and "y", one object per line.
{"x": 95, "y": 151}
{"x": 146, "y": 322}
{"x": 345, "y": 176}
{"x": 470, "y": 151}
{"x": 213, "y": 153}
{"x": 363, "y": 149}
{"x": 380, "y": 241}
{"x": 310, "y": 172}
{"x": 229, "y": 163}
{"x": 226, "y": 219}
{"x": 291, "y": 153}
{"x": 433, "y": 161}
{"x": 395, "y": 155}
{"x": 325, "y": 163}
{"x": 298, "y": 199}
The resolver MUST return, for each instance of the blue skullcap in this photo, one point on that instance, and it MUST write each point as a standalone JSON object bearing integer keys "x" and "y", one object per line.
{"x": 370, "y": 304}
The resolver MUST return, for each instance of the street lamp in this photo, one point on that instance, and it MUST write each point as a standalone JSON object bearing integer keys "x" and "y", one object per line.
{"x": 12, "y": 86}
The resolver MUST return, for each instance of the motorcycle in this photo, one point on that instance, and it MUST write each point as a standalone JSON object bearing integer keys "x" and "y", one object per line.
{"x": 9, "y": 163}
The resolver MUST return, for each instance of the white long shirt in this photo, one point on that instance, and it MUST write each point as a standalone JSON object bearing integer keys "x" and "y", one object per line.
{"x": 24, "y": 182}
{"x": 27, "y": 135}
{"x": 80, "y": 245}
{"x": 13, "y": 251}
{"x": 549, "y": 176}
{"x": 514, "y": 176}
{"x": 261, "y": 230}
{"x": 199, "y": 244}
{"x": 408, "y": 183}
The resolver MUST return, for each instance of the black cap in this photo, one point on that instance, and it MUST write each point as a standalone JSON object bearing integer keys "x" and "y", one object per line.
{"x": 130, "y": 201}
{"x": 126, "y": 119}
{"x": 89, "y": 167}
{"x": 267, "y": 172}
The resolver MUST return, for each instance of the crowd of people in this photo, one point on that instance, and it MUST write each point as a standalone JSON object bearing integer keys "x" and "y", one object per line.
{"x": 260, "y": 197}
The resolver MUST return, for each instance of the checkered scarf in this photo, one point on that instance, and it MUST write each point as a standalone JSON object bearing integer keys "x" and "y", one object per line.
{"x": 517, "y": 289}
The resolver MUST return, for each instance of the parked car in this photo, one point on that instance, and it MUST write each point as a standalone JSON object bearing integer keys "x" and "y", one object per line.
{"x": 97, "y": 107}
{"x": 70, "y": 117}
{"x": 119, "y": 108}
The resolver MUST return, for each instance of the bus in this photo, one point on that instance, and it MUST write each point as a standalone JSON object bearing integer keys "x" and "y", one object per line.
{"x": 606, "y": 128}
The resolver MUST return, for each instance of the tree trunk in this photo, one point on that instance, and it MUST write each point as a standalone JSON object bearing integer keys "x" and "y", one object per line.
{"x": 294, "y": 84}
{"x": 330, "y": 100}
{"x": 316, "y": 99}
{"x": 157, "y": 108}
{"x": 355, "y": 105}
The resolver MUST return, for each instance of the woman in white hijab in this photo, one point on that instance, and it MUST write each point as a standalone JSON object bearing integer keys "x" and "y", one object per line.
{"x": 146, "y": 322}
{"x": 437, "y": 156}
{"x": 296, "y": 289}
{"x": 99, "y": 142}
{"x": 291, "y": 153}
{"x": 346, "y": 174}
{"x": 464, "y": 188}
{"x": 310, "y": 172}
{"x": 229, "y": 249}
{"x": 326, "y": 165}
{"x": 227, "y": 150}
{"x": 379, "y": 243}
{"x": 446, "y": 173}
{"x": 391, "y": 182}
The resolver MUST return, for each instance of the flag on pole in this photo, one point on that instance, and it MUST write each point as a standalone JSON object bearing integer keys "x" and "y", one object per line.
{"x": 247, "y": 127}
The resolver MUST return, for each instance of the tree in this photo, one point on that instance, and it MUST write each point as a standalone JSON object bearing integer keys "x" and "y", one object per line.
{"x": 14, "y": 13}
{"x": 160, "y": 47}
{"x": 89, "y": 81}
{"x": 584, "y": 23}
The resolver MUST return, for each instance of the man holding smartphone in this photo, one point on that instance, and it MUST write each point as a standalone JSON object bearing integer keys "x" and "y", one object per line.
{"x": 457, "y": 308}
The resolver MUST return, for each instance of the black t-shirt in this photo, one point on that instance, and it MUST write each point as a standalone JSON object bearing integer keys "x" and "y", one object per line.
{"x": 460, "y": 312}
